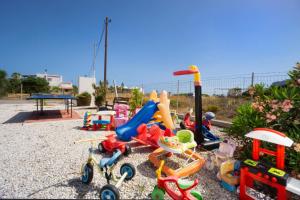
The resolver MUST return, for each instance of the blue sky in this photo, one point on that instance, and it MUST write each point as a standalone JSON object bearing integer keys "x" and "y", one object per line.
{"x": 149, "y": 39}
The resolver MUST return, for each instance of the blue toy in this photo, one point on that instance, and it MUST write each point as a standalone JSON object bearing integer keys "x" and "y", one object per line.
{"x": 106, "y": 168}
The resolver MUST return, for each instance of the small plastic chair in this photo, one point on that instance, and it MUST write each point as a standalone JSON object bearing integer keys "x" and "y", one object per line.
{"x": 225, "y": 152}
{"x": 121, "y": 114}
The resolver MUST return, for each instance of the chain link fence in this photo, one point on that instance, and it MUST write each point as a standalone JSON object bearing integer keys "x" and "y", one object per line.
{"x": 221, "y": 94}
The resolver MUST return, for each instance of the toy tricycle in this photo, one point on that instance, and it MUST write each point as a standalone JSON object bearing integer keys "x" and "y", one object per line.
{"x": 106, "y": 168}
{"x": 112, "y": 143}
{"x": 184, "y": 187}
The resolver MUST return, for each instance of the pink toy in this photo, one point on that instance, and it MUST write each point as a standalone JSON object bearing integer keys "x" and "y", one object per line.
{"x": 121, "y": 114}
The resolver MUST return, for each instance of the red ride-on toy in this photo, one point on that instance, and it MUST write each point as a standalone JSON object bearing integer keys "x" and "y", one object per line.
{"x": 184, "y": 187}
{"x": 150, "y": 136}
{"x": 112, "y": 143}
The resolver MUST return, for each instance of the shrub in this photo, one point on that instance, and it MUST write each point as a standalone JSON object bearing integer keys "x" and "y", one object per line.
{"x": 3, "y": 83}
{"x": 212, "y": 108}
{"x": 277, "y": 108}
{"x": 99, "y": 100}
{"x": 83, "y": 99}
{"x": 136, "y": 99}
{"x": 99, "y": 94}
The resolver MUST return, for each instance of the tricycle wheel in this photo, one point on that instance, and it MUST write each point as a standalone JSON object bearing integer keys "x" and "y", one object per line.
{"x": 157, "y": 193}
{"x": 196, "y": 194}
{"x": 109, "y": 192}
{"x": 87, "y": 172}
{"x": 101, "y": 148}
{"x": 127, "y": 150}
{"x": 129, "y": 168}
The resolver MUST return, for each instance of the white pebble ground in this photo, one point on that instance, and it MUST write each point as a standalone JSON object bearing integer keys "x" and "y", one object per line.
{"x": 40, "y": 160}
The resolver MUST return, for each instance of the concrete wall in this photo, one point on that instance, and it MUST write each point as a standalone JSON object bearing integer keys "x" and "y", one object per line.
{"x": 85, "y": 84}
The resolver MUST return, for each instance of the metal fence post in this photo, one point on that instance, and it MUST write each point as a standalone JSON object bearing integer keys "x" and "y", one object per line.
{"x": 177, "y": 95}
{"x": 252, "y": 79}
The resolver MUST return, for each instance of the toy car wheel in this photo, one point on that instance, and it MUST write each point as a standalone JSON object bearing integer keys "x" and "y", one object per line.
{"x": 109, "y": 192}
{"x": 87, "y": 172}
{"x": 129, "y": 168}
{"x": 157, "y": 193}
{"x": 127, "y": 150}
{"x": 196, "y": 194}
{"x": 101, "y": 148}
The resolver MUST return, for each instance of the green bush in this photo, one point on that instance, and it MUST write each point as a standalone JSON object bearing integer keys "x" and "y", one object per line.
{"x": 99, "y": 100}
{"x": 136, "y": 99}
{"x": 4, "y": 84}
{"x": 35, "y": 85}
{"x": 274, "y": 107}
{"x": 212, "y": 108}
{"x": 83, "y": 99}
{"x": 99, "y": 94}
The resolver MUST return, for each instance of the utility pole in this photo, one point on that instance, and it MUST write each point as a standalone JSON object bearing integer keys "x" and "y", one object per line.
{"x": 105, "y": 52}
{"x": 94, "y": 61}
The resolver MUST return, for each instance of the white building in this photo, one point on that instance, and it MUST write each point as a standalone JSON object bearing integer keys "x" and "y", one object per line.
{"x": 54, "y": 80}
{"x": 85, "y": 84}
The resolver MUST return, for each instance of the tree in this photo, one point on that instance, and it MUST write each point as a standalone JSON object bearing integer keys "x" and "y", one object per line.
{"x": 99, "y": 93}
{"x": 55, "y": 89}
{"x": 3, "y": 82}
{"x": 15, "y": 82}
{"x": 122, "y": 87}
{"x": 75, "y": 90}
{"x": 35, "y": 85}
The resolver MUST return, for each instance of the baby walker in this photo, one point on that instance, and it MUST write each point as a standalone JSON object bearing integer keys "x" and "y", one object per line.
{"x": 179, "y": 144}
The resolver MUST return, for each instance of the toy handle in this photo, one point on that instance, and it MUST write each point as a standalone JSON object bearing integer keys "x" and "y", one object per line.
{"x": 185, "y": 72}
{"x": 158, "y": 171}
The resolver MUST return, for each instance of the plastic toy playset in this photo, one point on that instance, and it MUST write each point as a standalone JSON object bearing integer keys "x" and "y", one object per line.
{"x": 253, "y": 171}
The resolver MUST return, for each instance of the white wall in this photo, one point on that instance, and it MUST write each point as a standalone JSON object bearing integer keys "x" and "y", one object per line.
{"x": 85, "y": 84}
{"x": 54, "y": 80}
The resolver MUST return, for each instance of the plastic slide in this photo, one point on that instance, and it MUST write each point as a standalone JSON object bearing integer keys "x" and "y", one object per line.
{"x": 128, "y": 130}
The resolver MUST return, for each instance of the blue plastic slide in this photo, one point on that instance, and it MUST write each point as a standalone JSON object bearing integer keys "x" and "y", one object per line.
{"x": 128, "y": 130}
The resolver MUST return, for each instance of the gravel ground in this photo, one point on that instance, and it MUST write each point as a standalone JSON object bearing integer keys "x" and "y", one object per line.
{"x": 40, "y": 160}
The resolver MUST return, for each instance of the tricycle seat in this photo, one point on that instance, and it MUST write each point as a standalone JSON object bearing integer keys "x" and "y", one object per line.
{"x": 104, "y": 162}
{"x": 184, "y": 184}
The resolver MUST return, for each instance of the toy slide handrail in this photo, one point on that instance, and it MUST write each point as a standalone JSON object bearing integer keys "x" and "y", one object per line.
{"x": 185, "y": 72}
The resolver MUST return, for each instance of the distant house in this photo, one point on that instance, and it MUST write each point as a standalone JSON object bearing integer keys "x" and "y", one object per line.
{"x": 54, "y": 80}
{"x": 66, "y": 87}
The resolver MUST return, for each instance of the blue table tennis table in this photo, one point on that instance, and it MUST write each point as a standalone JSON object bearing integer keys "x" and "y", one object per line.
{"x": 41, "y": 97}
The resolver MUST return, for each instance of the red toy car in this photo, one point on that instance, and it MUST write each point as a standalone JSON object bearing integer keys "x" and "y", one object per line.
{"x": 150, "y": 136}
{"x": 112, "y": 143}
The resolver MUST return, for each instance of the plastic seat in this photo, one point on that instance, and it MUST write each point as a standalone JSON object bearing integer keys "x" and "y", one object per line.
{"x": 186, "y": 137}
{"x": 110, "y": 161}
{"x": 184, "y": 184}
